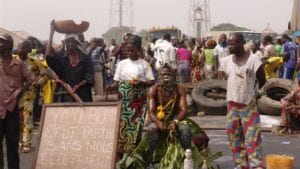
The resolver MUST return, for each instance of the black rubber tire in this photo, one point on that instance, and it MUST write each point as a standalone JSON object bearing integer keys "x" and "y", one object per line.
{"x": 271, "y": 106}
{"x": 208, "y": 105}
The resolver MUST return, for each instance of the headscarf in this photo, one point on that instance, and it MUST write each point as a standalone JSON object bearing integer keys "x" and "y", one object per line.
{"x": 72, "y": 35}
{"x": 76, "y": 37}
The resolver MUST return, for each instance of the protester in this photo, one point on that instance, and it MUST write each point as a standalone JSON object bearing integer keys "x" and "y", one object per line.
{"x": 290, "y": 116}
{"x": 75, "y": 67}
{"x": 150, "y": 57}
{"x": 38, "y": 52}
{"x": 195, "y": 48}
{"x": 278, "y": 46}
{"x": 289, "y": 53}
{"x": 169, "y": 131}
{"x": 15, "y": 78}
{"x": 184, "y": 63}
{"x": 269, "y": 47}
{"x": 243, "y": 122}
{"x": 132, "y": 77}
{"x": 121, "y": 51}
{"x": 255, "y": 48}
{"x": 26, "y": 102}
{"x": 113, "y": 47}
{"x": 112, "y": 60}
{"x": 164, "y": 52}
{"x": 210, "y": 60}
{"x": 170, "y": 98}
{"x": 220, "y": 52}
{"x": 98, "y": 57}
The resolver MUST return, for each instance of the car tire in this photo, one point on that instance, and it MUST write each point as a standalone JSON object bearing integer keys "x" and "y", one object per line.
{"x": 209, "y": 105}
{"x": 275, "y": 90}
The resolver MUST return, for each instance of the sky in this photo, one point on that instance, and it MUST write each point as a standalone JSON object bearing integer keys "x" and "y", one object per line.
{"x": 34, "y": 16}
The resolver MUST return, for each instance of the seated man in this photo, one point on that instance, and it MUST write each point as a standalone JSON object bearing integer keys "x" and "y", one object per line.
{"x": 290, "y": 116}
{"x": 169, "y": 132}
{"x": 167, "y": 107}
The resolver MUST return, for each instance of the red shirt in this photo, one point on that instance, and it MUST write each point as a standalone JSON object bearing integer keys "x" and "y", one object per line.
{"x": 12, "y": 79}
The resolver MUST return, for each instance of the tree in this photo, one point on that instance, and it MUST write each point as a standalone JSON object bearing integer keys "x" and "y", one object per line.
{"x": 116, "y": 33}
{"x": 228, "y": 27}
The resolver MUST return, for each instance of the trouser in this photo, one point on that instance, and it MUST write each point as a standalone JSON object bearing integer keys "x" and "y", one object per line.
{"x": 37, "y": 108}
{"x": 184, "y": 71}
{"x": 10, "y": 128}
{"x": 26, "y": 124}
{"x": 98, "y": 83}
{"x": 288, "y": 73}
{"x": 244, "y": 134}
{"x": 108, "y": 79}
{"x": 183, "y": 134}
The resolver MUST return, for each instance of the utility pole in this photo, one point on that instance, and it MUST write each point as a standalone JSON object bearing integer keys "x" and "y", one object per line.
{"x": 199, "y": 18}
{"x": 121, "y": 13}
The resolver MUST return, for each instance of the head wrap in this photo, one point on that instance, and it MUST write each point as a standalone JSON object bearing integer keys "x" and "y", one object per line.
{"x": 73, "y": 35}
{"x": 76, "y": 38}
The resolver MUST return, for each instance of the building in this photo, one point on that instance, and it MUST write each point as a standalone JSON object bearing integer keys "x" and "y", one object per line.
{"x": 18, "y": 36}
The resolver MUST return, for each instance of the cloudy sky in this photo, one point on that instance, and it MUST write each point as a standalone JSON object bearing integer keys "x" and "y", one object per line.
{"x": 34, "y": 16}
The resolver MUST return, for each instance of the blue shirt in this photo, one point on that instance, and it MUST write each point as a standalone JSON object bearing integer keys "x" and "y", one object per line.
{"x": 290, "y": 49}
{"x": 97, "y": 59}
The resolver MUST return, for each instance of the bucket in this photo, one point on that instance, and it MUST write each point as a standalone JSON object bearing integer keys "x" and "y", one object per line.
{"x": 69, "y": 26}
{"x": 279, "y": 161}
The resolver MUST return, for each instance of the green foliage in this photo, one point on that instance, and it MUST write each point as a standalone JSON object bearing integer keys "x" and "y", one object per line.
{"x": 116, "y": 33}
{"x": 228, "y": 27}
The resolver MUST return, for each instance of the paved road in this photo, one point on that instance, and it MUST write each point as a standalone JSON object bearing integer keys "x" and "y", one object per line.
{"x": 288, "y": 144}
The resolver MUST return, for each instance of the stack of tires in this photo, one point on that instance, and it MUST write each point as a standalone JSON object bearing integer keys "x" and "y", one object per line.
{"x": 275, "y": 90}
{"x": 209, "y": 105}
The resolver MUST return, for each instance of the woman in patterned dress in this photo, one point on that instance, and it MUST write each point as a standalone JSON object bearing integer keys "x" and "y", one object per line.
{"x": 132, "y": 77}
{"x": 28, "y": 97}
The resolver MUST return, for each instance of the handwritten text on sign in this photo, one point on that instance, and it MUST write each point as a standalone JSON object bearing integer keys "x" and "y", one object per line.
{"x": 78, "y": 137}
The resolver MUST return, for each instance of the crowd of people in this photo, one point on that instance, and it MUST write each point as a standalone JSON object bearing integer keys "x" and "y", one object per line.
{"x": 148, "y": 82}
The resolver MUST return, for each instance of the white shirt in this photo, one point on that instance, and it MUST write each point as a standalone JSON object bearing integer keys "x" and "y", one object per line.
{"x": 164, "y": 53}
{"x": 221, "y": 52}
{"x": 133, "y": 69}
{"x": 241, "y": 79}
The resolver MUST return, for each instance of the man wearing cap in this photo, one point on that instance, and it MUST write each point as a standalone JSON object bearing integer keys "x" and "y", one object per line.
{"x": 15, "y": 78}
{"x": 75, "y": 67}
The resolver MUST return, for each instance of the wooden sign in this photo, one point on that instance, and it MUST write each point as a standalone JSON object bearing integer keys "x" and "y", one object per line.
{"x": 78, "y": 136}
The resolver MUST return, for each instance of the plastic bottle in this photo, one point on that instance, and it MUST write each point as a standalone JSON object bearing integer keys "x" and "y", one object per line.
{"x": 204, "y": 166}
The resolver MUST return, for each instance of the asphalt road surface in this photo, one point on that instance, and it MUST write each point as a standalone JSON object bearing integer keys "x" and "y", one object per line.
{"x": 272, "y": 144}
